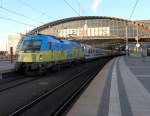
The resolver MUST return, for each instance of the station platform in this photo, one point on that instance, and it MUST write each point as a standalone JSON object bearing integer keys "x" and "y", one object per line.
{"x": 121, "y": 88}
{"x": 6, "y": 66}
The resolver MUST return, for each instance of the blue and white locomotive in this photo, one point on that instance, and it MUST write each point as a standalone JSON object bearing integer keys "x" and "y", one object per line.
{"x": 40, "y": 52}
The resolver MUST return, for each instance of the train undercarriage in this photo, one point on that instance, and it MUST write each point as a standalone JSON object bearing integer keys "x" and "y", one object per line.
{"x": 39, "y": 68}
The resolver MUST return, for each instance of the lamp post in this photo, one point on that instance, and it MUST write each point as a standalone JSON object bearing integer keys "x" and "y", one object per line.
{"x": 137, "y": 41}
{"x": 127, "y": 47}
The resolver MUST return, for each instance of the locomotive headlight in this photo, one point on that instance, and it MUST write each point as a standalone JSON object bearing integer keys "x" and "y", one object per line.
{"x": 41, "y": 57}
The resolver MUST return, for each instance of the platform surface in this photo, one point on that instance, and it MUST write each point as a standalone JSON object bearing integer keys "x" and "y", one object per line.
{"x": 121, "y": 88}
{"x": 5, "y": 66}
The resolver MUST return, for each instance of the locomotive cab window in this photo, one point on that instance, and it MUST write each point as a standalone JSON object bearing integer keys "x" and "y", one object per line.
{"x": 31, "y": 45}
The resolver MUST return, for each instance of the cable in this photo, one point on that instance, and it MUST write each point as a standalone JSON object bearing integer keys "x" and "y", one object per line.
{"x": 80, "y": 6}
{"x": 13, "y": 20}
{"x": 133, "y": 8}
{"x": 19, "y": 14}
{"x": 35, "y": 9}
{"x": 71, "y": 7}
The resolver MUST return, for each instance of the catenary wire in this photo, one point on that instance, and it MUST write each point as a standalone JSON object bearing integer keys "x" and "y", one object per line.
{"x": 19, "y": 22}
{"x": 71, "y": 7}
{"x": 35, "y": 9}
{"x": 19, "y": 14}
{"x": 134, "y": 7}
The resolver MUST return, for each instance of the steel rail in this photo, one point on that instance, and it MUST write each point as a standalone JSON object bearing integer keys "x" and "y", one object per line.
{"x": 43, "y": 96}
{"x": 17, "y": 84}
{"x": 75, "y": 94}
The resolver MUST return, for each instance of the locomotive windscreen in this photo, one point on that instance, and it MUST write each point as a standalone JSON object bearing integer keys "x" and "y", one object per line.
{"x": 31, "y": 45}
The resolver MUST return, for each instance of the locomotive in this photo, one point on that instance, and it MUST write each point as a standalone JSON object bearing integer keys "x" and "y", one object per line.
{"x": 37, "y": 53}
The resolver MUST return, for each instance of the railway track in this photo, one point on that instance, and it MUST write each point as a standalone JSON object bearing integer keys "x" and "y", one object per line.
{"x": 82, "y": 78}
{"x": 16, "y": 82}
{"x": 62, "y": 110}
{"x": 27, "y": 106}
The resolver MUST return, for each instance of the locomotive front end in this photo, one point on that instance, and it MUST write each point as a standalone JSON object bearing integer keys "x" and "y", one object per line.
{"x": 30, "y": 56}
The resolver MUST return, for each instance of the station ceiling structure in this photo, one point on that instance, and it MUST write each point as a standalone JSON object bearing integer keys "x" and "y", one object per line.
{"x": 94, "y": 28}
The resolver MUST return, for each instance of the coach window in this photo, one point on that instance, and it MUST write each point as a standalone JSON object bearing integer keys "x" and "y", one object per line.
{"x": 88, "y": 50}
{"x": 49, "y": 45}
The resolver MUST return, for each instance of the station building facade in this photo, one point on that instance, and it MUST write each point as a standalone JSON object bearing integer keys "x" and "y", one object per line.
{"x": 98, "y": 30}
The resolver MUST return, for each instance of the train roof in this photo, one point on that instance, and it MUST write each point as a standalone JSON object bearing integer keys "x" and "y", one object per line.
{"x": 51, "y": 38}
{"x": 43, "y": 37}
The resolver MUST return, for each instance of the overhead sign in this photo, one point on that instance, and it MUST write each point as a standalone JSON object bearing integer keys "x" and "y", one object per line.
{"x": 97, "y": 31}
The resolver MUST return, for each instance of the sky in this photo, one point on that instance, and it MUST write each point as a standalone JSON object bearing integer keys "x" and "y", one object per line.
{"x": 44, "y": 11}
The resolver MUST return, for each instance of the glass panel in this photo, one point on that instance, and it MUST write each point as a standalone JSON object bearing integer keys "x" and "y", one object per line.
{"x": 31, "y": 45}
